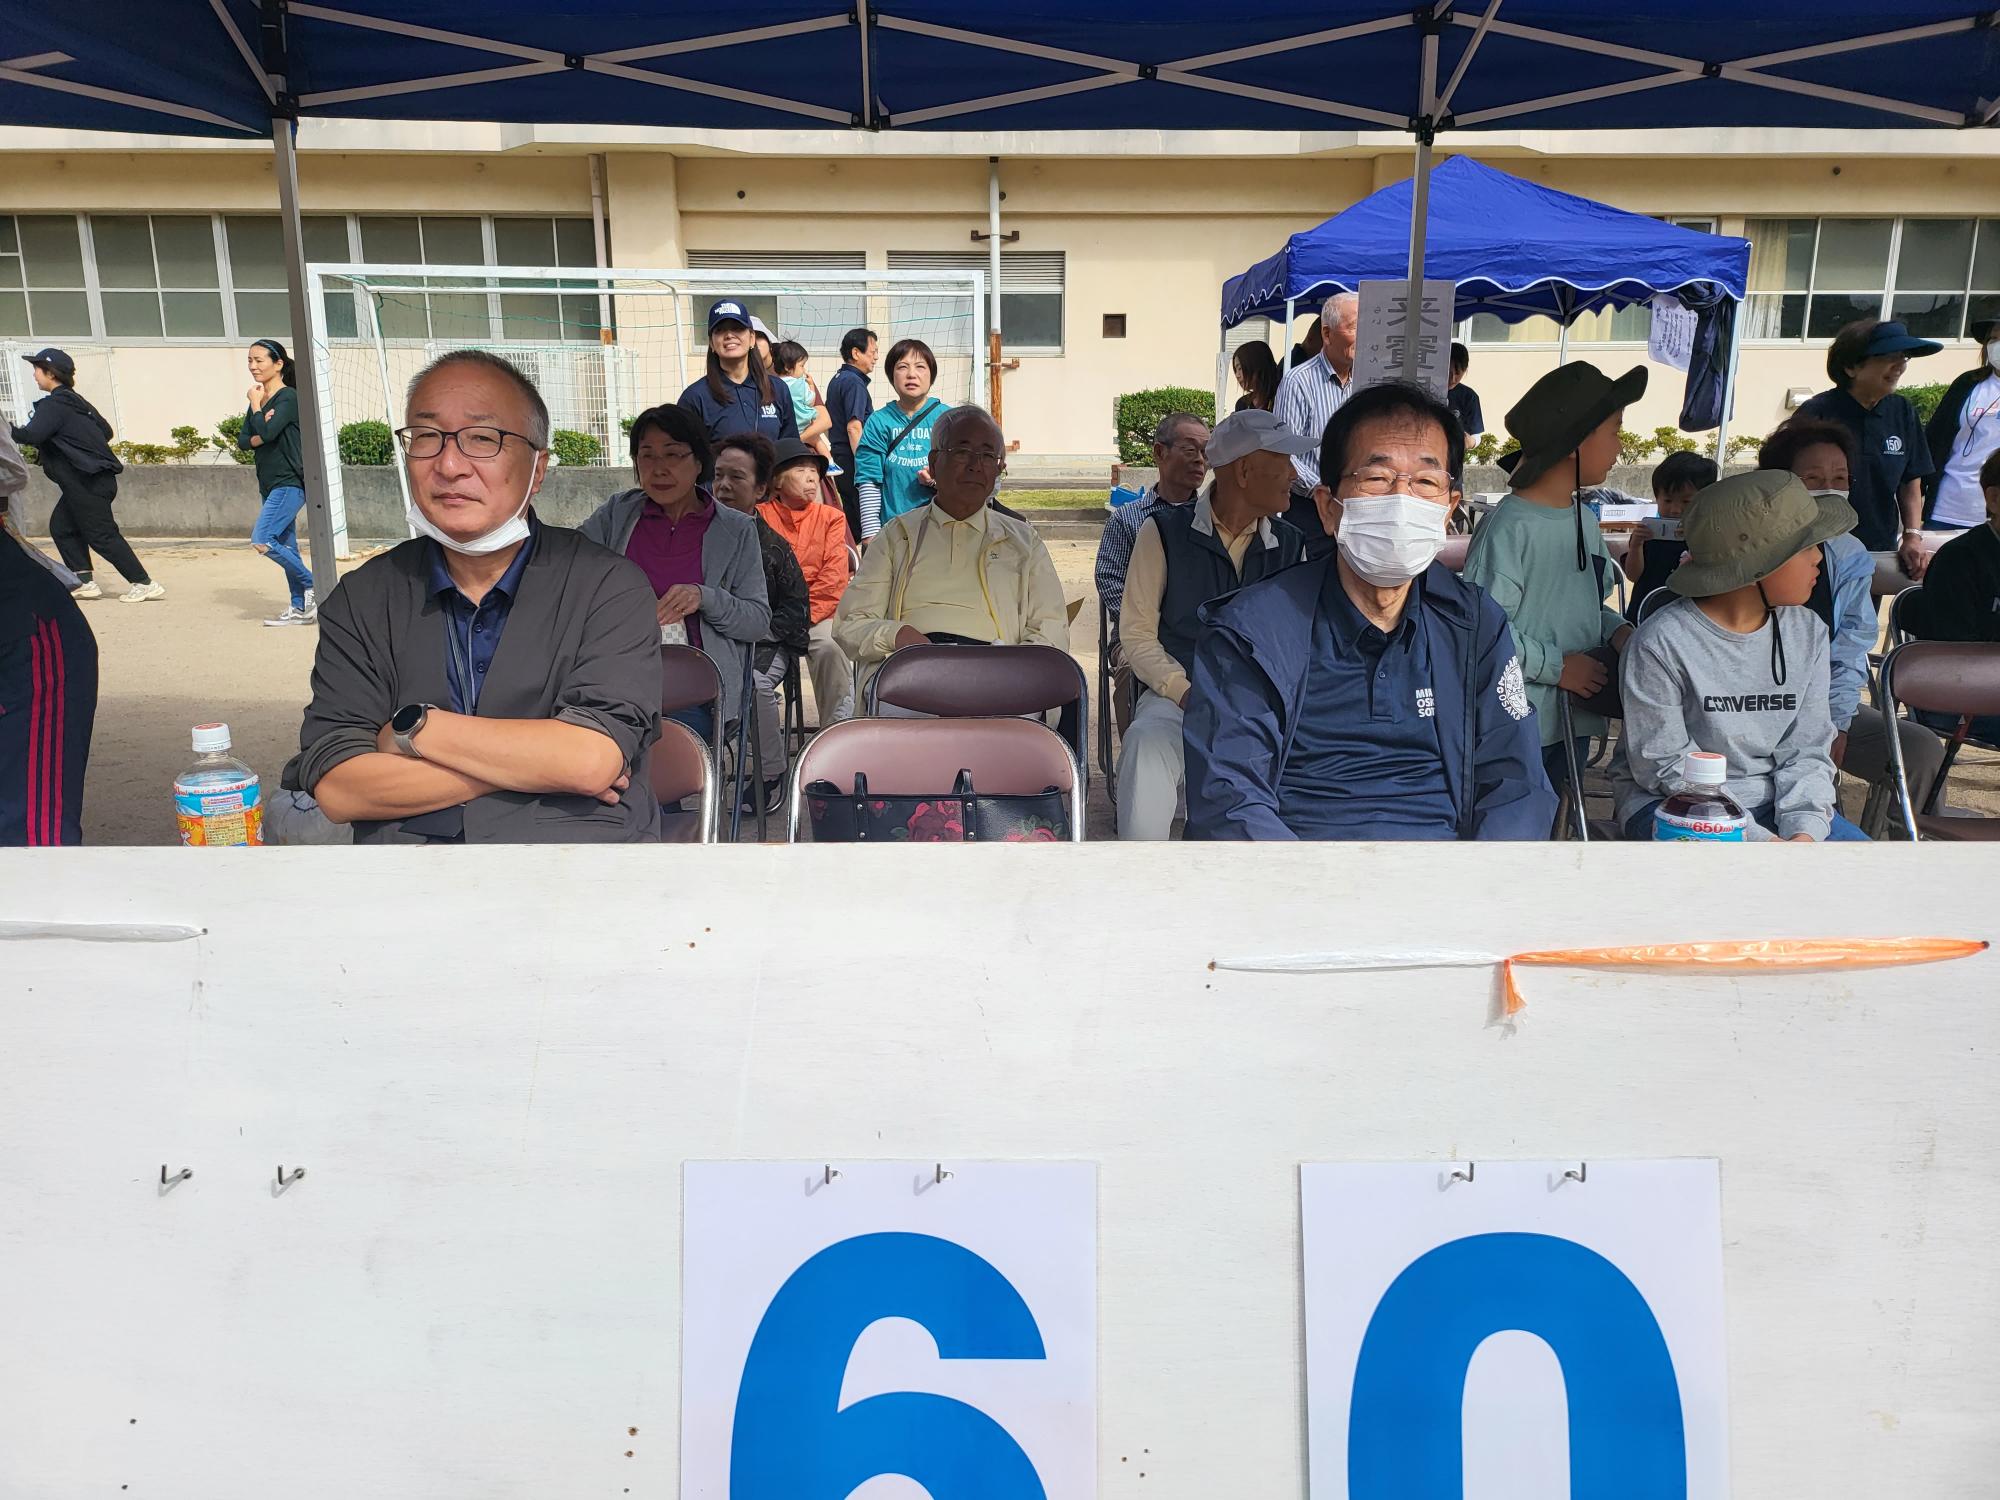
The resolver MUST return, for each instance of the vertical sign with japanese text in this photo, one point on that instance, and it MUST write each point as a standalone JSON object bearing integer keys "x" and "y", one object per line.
{"x": 1387, "y": 325}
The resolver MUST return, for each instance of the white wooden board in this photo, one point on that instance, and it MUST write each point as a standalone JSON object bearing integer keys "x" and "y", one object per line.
{"x": 495, "y": 1078}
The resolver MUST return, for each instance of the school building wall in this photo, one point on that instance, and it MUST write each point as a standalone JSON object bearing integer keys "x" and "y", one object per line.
{"x": 1150, "y": 234}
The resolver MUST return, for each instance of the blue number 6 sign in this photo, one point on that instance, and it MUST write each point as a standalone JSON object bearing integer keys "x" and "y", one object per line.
{"x": 791, "y": 1440}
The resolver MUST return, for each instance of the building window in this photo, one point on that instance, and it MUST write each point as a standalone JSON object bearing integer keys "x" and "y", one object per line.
{"x": 1114, "y": 325}
{"x": 157, "y": 275}
{"x": 41, "y": 277}
{"x": 1810, "y": 277}
{"x": 256, "y": 246}
{"x": 1031, "y": 292}
{"x": 1610, "y": 325}
{"x": 550, "y": 314}
{"x": 440, "y": 316}
{"x": 815, "y": 319}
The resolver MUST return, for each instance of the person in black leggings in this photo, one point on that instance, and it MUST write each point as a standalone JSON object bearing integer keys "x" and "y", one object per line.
{"x": 72, "y": 443}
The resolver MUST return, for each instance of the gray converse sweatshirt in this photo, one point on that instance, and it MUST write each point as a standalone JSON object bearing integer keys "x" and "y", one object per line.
{"x": 1688, "y": 684}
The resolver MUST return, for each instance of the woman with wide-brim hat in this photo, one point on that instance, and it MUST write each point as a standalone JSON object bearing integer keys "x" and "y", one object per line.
{"x": 1737, "y": 664}
{"x": 1540, "y": 554}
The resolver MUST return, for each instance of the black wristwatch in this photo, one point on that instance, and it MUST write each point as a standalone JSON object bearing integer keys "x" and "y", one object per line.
{"x": 403, "y": 728}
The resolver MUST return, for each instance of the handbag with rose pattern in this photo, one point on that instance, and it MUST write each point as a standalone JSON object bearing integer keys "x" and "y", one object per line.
{"x": 963, "y": 816}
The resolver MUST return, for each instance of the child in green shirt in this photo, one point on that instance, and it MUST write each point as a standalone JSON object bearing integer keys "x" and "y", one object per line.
{"x": 1540, "y": 554}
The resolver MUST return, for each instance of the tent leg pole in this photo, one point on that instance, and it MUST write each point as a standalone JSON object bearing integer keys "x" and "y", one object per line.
{"x": 1420, "y": 210}
{"x": 1562, "y": 345}
{"x": 1729, "y": 390}
{"x": 326, "y": 530}
{"x": 1291, "y": 313}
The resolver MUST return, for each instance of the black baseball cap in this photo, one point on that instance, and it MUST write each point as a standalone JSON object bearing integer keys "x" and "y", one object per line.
{"x": 55, "y": 362}
{"x": 728, "y": 310}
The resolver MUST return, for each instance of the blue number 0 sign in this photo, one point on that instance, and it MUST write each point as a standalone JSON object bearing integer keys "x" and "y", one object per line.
{"x": 791, "y": 1440}
{"x": 1405, "y": 1431}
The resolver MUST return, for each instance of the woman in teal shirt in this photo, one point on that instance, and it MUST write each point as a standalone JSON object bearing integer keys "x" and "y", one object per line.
{"x": 890, "y": 465}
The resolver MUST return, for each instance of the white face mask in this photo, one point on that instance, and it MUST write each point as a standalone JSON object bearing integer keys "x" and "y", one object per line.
{"x": 1993, "y": 355}
{"x": 1390, "y": 539}
{"x": 1829, "y": 494}
{"x": 507, "y": 534}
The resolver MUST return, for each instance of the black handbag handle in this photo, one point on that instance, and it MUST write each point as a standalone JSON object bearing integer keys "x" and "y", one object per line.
{"x": 860, "y": 807}
{"x": 962, "y": 790}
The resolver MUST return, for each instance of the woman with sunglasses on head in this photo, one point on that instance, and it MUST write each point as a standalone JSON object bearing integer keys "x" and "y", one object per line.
{"x": 270, "y": 433}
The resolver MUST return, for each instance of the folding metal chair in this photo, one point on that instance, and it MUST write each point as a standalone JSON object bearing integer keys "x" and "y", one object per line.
{"x": 677, "y": 768}
{"x": 1107, "y": 758}
{"x": 1452, "y": 554}
{"x": 910, "y": 757}
{"x": 1569, "y": 806}
{"x": 792, "y": 697}
{"x": 690, "y": 679}
{"x": 1948, "y": 677}
{"x": 970, "y": 682}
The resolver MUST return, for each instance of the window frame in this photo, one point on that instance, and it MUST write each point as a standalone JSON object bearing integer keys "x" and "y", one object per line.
{"x": 960, "y": 261}
{"x": 1889, "y": 289}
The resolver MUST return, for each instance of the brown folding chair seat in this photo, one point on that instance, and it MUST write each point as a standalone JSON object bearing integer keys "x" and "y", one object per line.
{"x": 678, "y": 768}
{"x": 913, "y": 757}
{"x": 1947, "y": 677}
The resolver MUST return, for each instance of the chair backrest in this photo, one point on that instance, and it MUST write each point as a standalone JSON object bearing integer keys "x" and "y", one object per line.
{"x": 688, "y": 679}
{"x": 1660, "y": 598}
{"x": 966, "y": 682}
{"x": 1947, "y": 677}
{"x": 1452, "y": 553}
{"x": 1899, "y": 619}
{"x": 916, "y": 757}
{"x": 853, "y": 559}
{"x": 677, "y": 768}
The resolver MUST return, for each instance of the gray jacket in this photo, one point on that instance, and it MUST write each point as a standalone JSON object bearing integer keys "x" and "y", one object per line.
{"x": 581, "y": 645}
{"x": 735, "y": 610}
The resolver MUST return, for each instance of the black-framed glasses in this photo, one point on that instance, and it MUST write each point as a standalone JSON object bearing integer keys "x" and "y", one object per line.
{"x": 473, "y": 442}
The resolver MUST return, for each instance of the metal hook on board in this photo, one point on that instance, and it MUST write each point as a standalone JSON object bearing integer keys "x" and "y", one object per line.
{"x": 181, "y": 1176}
{"x": 1471, "y": 1168}
{"x": 1579, "y": 1173}
{"x": 832, "y": 1175}
{"x": 942, "y": 1175}
{"x": 284, "y": 1181}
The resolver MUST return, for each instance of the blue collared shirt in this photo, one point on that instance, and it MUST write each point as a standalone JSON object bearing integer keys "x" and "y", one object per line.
{"x": 1365, "y": 761}
{"x": 472, "y": 632}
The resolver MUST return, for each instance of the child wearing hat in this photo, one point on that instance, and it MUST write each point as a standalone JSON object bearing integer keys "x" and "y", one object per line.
{"x": 1737, "y": 664}
{"x": 1540, "y": 554}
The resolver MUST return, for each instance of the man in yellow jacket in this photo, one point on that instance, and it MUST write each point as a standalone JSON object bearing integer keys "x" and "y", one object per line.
{"x": 955, "y": 571}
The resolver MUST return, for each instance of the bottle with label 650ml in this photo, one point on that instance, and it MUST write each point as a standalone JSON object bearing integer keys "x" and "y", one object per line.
{"x": 1701, "y": 810}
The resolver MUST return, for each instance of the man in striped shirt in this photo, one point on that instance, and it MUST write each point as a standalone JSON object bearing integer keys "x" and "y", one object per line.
{"x": 1308, "y": 397}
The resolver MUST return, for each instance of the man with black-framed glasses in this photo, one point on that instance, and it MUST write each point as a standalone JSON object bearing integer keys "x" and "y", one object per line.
{"x": 492, "y": 680}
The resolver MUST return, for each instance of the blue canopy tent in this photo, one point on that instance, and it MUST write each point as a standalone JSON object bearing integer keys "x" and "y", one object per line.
{"x": 1516, "y": 250}
{"x": 255, "y": 67}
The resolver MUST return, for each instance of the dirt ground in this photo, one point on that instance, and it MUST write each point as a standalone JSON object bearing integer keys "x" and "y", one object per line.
{"x": 202, "y": 654}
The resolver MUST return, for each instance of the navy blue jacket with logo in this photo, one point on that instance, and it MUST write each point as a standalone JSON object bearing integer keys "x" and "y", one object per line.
{"x": 744, "y": 409}
{"x": 1250, "y": 671}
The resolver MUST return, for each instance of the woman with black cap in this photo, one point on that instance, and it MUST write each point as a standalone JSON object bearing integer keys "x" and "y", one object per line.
{"x": 1866, "y": 361}
{"x": 72, "y": 442}
{"x": 1963, "y": 433}
{"x": 271, "y": 431}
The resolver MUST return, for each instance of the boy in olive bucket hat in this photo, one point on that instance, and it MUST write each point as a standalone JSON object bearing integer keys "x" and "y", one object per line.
{"x": 1737, "y": 664}
{"x": 1540, "y": 554}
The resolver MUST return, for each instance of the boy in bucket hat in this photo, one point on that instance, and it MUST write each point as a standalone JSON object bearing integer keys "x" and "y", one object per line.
{"x": 1540, "y": 554}
{"x": 1737, "y": 665}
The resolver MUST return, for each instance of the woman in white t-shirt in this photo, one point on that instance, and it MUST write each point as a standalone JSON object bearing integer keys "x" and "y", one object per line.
{"x": 1963, "y": 432}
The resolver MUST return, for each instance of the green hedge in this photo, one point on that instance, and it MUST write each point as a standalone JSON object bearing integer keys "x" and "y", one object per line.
{"x": 574, "y": 449}
{"x": 1139, "y": 414}
{"x": 225, "y": 438}
{"x": 1924, "y": 398}
{"x": 367, "y": 444}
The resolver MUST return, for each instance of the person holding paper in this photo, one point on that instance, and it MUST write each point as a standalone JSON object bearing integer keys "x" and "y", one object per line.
{"x": 1654, "y": 550}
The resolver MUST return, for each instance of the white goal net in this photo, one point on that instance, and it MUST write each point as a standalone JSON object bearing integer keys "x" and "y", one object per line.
{"x": 601, "y": 346}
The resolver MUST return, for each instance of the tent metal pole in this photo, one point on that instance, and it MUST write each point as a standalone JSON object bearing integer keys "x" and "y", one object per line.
{"x": 1562, "y": 346}
{"x": 326, "y": 530}
{"x": 1420, "y": 201}
{"x": 1729, "y": 389}
{"x": 1291, "y": 313}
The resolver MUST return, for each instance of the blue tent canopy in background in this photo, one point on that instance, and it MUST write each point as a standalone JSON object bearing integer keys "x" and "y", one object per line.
{"x": 1514, "y": 248}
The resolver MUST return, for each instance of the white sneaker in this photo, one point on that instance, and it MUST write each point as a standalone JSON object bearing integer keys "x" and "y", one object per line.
{"x": 88, "y": 590}
{"x": 139, "y": 593}
{"x": 293, "y": 615}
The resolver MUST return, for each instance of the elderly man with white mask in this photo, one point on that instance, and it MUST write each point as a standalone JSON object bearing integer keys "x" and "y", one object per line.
{"x": 1372, "y": 693}
{"x": 492, "y": 680}
{"x": 1184, "y": 557}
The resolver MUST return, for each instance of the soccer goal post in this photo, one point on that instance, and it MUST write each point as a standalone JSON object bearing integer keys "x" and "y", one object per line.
{"x": 600, "y": 345}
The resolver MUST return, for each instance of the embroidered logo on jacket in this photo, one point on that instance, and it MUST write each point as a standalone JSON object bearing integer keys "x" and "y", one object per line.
{"x": 1893, "y": 443}
{"x": 1512, "y": 690}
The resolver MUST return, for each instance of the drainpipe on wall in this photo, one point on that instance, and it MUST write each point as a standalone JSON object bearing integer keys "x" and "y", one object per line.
{"x": 606, "y": 334}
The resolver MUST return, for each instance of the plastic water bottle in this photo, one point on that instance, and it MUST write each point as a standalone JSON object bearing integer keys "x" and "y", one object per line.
{"x": 1701, "y": 811}
{"x": 218, "y": 799}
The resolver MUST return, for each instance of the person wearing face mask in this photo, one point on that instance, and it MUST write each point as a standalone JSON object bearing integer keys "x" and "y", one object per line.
{"x": 1736, "y": 665}
{"x": 493, "y": 680}
{"x": 1184, "y": 556}
{"x": 1962, "y": 434}
{"x": 1866, "y": 361}
{"x": 1370, "y": 693}
{"x": 1821, "y": 454}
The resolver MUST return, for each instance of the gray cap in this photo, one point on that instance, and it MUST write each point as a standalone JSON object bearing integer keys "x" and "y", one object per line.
{"x": 1252, "y": 431}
